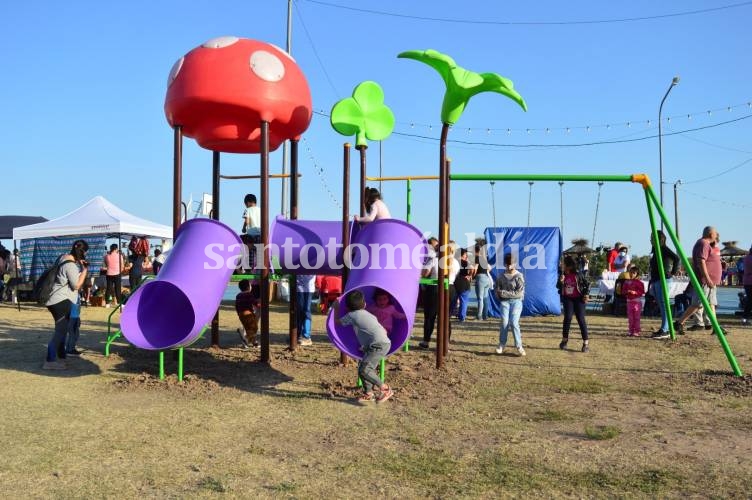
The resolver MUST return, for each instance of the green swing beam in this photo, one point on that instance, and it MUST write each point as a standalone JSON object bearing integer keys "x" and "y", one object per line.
{"x": 652, "y": 201}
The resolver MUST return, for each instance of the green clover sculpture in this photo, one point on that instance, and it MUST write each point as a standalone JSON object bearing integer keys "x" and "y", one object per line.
{"x": 462, "y": 84}
{"x": 363, "y": 115}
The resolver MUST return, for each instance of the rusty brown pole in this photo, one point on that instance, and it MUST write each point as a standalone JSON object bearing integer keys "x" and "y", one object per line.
{"x": 215, "y": 216}
{"x": 292, "y": 280}
{"x": 264, "y": 242}
{"x": 448, "y": 295}
{"x": 177, "y": 179}
{"x": 443, "y": 180}
{"x": 362, "y": 150}
{"x": 343, "y": 359}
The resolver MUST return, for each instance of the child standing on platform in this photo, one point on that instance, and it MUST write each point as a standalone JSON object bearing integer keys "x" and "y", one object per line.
{"x": 384, "y": 310}
{"x": 246, "y": 305}
{"x": 373, "y": 341}
{"x": 633, "y": 289}
{"x": 574, "y": 289}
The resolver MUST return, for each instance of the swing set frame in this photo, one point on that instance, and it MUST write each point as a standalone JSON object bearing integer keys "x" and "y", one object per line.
{"x": 652, "y": 202}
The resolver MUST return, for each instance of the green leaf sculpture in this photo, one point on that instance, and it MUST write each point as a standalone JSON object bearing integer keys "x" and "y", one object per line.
{"x": 364, "y": 115}
{"x": 462, "y": 84}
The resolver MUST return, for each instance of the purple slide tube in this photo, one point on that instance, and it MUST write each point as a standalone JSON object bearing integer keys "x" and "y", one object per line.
{"x": 308, "y": 246}
{"x": 388, "y": 254}
{"x": 171, "y": 310}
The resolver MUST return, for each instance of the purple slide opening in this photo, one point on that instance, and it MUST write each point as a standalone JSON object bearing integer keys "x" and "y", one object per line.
{"x": 389, "y": 254}
{"x": 171, "y": 310}
{"x": 308, "y": 246}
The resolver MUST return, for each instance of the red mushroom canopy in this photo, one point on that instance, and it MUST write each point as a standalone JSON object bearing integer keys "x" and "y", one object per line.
{"x": 221, "y": 91}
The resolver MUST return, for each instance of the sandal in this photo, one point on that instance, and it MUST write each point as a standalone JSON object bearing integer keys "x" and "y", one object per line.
{"x": 366, "y": 398}
{"x": 386, "y": 393}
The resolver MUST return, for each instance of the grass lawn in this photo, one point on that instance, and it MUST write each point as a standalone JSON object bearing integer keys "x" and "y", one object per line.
{"x": 633, "y": 418}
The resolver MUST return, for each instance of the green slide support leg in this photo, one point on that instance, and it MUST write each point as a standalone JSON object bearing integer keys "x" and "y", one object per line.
{"x": 661, "y": 269}
{"x": 110, "y": 339}
{"x": 382, "y": 370}
{"x": 161, "y": 365}
{"x": 696, "y": 284}
{"x": 180, "y": 364}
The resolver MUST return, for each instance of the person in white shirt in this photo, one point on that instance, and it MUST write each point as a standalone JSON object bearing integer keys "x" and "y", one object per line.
{"x": 251, "y": 217}
{"x": 375, "y": 208}
{"x": 251, "y": 233}
{"x": 430, "y": 292}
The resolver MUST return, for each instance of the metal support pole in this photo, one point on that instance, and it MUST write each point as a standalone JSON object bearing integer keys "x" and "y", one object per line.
{"x": 561, "y": 210}
{"x": 177, "y": 179}
{"x": 215, "y": 216}
{"x": 443, "y": 181}
{"x": 292, "y": 280}
{"x": 697, "y": 286}
{"x": 265, "y": 358}
{"x": 545, "y": 177}
{"x": 493, "y": 203}
{"x": 676, "y": 209}
{"x": 446, "y": 306}
{"x": 362, "y": 150}
{"x": 288, "y": 48}
{"x": 180, "y": 364}
{"x": 406, "y": 347}
{"x": 409, "y": 200}
{"x": 345, "y": 225}
{"x": 661, "y": 267}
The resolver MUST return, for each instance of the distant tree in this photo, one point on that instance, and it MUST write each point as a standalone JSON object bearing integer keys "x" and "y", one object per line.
{"x": 597, "y": 264}
{"x": 642, "y": 262}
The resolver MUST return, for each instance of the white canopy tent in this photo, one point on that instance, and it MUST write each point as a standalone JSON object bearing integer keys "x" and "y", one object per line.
{"x": 97, "y": 216}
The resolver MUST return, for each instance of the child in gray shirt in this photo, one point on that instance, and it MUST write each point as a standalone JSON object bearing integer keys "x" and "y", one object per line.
{"x": 373, "y": 341}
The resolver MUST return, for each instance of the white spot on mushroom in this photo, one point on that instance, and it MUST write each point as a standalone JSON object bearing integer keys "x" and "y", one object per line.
{"x": 219, "y": 42}
{"x": 267, "y": 66}
{"x": 175, "y": 70}
{"x": 284, "y": 52}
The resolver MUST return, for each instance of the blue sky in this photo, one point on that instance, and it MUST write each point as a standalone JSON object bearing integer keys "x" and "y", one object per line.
{"x": 84, "y": 82}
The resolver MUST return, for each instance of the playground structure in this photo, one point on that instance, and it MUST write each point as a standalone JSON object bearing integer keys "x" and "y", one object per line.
{"x": 283, "y": 111}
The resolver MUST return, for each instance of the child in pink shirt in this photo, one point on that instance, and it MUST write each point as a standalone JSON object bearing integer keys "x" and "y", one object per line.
{"x": 384, "y": 310}
{"x": 633, "y": 289}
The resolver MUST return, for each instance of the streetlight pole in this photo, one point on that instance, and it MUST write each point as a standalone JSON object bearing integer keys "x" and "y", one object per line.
{"x": 674, "y": 82}
{"x": 283, "y": 210}
{"x": 676, "y": 210}
{"x": 493, "y": 203}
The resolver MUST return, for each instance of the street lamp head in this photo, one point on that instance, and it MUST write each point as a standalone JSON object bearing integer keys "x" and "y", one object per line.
{"x": 675, "y": 81}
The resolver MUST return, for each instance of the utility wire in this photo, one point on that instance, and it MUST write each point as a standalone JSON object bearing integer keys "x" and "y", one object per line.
{"x": 727, "y": 148}
{"x": 316, "y": 52}
{"x": 716, "y": 200}
{"x": 531, "y": 23}
{"x": 740, "y": 165}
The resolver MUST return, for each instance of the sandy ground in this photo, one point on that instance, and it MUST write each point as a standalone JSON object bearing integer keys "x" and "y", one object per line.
{"x": 633, "y": 418}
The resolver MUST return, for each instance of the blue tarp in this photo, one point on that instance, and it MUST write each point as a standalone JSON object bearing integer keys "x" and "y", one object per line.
{"x": 538, "y": 250}
{"x": 41, "y": 253}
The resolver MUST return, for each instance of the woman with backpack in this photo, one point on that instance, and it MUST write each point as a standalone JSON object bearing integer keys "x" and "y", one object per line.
{"x": 70, "y": 272}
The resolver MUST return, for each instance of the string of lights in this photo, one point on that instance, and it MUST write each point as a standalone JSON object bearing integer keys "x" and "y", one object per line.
{"x": 530, "y": 23}
{"x": 320, "y": 172}
{"x": 561, "y": 145}
{"x": 648, "y": 123}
